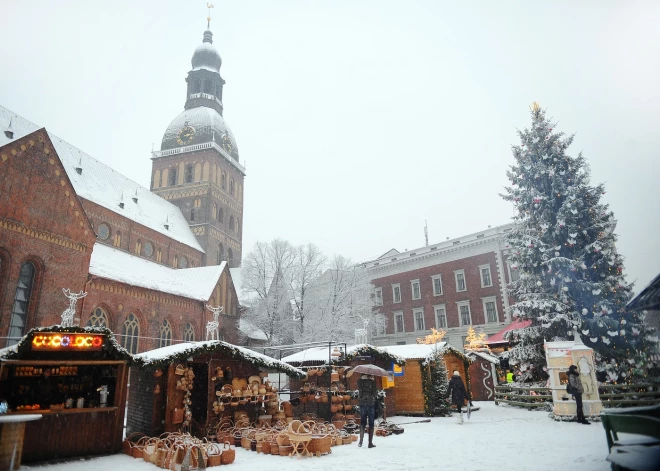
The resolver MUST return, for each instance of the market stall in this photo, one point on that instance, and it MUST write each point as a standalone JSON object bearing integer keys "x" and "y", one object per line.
{"x": 193, "y": 385}
{"x": 75, "y": 378}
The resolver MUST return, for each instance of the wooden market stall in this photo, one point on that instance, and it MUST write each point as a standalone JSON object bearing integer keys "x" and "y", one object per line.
{"x": 483, "y": 375}
{"x": 191, "y": 385}
{"x": 408, "y": 391}
{"x": 76, "y": 379}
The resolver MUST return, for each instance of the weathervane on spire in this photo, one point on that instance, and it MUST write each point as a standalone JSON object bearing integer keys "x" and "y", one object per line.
{"x": 208, "y": 18}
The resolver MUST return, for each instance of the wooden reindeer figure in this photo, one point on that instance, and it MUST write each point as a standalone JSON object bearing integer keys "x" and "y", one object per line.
{"x": 212, "y": 332}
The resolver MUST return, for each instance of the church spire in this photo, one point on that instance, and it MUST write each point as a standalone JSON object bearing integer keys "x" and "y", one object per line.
{"x": 208, "y": 18}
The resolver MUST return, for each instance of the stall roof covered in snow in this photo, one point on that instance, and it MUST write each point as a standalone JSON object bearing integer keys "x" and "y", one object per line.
{"x": 181, "y": 351}
{"x": 106, "y": 187}
{"x": 484, "y": 355}
{"x": 421, "y": 351}
{"x": 117, "y": 265}
{"x": 321, "y": 354}
{"x": 250, "y": 330}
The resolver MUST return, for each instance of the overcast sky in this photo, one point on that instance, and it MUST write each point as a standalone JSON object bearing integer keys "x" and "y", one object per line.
{"x": 358, "y": 120}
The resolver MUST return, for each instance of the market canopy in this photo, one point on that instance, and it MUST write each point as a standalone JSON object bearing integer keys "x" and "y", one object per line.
{"x": 181, "y": 351}
{"x": 498, "y": 338}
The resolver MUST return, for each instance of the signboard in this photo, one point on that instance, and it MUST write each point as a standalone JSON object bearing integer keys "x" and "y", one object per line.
{"x": 63, "y": 342}
{"x": 388, "y": 381}
{"x": 397, "y": 369}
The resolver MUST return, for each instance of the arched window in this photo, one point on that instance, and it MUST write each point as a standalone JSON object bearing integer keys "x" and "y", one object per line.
{"x": 231, "y": 223}
{"x": 117, "y": 241}
{"x": 223, "y": 180}
{"x": 197, "y": 87}
{"x": 189, "y": 333}
{"x": 214, "y": 211}
{"x": 165, "y": 334}
{"x": 138, "y": 247}
{"x": 208, "y": 85}
{"x": 175, "y": 261}
{"x": 230, "y": 257}
{"x": 159, "y": 256}
{"x": 221, "y": 253}
{"x": 130, "y": 332}
{"x": 19, "y": 310}
{"x": 172, "y": 177}
{"x": 183, "y": 262}
{"x": 192, "y": 214}
{"x": 238, "y": 226}
{"x": 98, "y": 318}
{"x": 189, "y": 173}
{"x": 231, "y": 187}
{"x": 221, "y": 215}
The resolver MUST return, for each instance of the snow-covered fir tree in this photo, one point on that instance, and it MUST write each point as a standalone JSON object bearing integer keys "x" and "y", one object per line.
{"x": 563, "y": 246}
{"x": 436, "y": 384}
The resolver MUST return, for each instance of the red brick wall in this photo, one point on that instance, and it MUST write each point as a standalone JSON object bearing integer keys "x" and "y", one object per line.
{"x": 449, "y": 297}
{"x": 41, "y": 220}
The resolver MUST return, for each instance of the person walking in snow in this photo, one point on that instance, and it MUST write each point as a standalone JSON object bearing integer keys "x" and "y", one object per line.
{"x": 576, "y": 391}
{"x": 368, "y": 395}
{"x": 458, "y": 393}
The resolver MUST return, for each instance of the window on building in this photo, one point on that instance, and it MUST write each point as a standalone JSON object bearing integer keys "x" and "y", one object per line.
{"x": 378, "y": 296}
{"x": 208, "y": 86}
{"x": 223, "y": 181}
{"x": 221, "y": 253}
{"x": 192, "y": 214}
{"x": 198, "y": 86}
{"x": 183, "y": 262}
{"x": 172, "y": 177}
{"x": 214, "y": 211}
{"x": 514, "y": 273}
{"x": 148, "y": 249}
{"x": 159, "y": 256}
{"x": 398, "y": 322}
{"x": 98, "y": 318}
{"x": 238, "y": 226}
{"x": 418, "y": 314}
{"x": 396, "y": 293}
{"x": 464, "y": 313}
{"x": 460, "y": 280}
{"x": 231, "y": 187}
{"x": 165, "y": 334}
{"x": 189, "y": 333}
{"x": 175, "y": 261}
{"x": 437, "y": 285}
{"x": 230, "y": 257}
{"x": 138, "y": 246}
{"x": 416, "y": 291}
{"x": 130, "y": 333}
{"x": 19, "y": 310}
{"x": 486, "y": 279}
{"x": 104, "y": 231}
{"x": 490, "y": 309}
{"x": 189, "y": 173}
{"x": 440, "y": 317}
{"x": 117, "y": 239}
{"x": 221, "y": 215}
{"x": 231, "y": 223}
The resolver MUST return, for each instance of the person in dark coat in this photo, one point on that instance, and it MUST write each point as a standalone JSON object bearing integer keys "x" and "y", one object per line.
{"x": 577, "y": 390}
{"x": 458, "y": 394}
{"x": 368, "y": 395}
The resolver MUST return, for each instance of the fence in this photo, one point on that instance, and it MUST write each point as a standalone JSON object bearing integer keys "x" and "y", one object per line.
{"x": 612, "y": 395}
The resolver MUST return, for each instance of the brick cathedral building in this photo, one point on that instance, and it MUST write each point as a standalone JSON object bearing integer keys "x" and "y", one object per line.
{"x": 150, "y": 260}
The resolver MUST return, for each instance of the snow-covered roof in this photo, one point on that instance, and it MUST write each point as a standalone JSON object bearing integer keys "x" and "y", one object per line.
{"x": 7, "y": 351}
{"x": 484, "y": 355}
{"x": 190, "y": 349}
{"x": 106, "y": 187}
{"x": 561, "y": 348}
{"x": 117, "y": 265}
{"x": 250, "y": 330}
{"x": 322, "y": 354}
{"x": 414, "y": 351}
{"x": 311, "y": 354}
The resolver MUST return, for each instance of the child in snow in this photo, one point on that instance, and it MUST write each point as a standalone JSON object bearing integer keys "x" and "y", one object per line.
{"x": 458, "y": 393}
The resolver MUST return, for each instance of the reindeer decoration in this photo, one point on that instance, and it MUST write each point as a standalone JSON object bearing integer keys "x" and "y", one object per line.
{"x": 70, "y": 312}
{"x": 361, "y": 334}
{"x": 212, "y": 326}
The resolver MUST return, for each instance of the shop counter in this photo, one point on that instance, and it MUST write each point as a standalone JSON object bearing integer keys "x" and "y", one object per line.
{"x": 12, "y": 431}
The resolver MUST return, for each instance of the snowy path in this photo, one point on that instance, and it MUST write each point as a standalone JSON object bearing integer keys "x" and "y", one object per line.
{"x": 495, "y": 437}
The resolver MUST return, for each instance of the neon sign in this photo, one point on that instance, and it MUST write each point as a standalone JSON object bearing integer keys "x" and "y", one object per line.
{"x": 67, "y": 342}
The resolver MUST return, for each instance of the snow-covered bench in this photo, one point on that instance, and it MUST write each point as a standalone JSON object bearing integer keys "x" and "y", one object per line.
{"x": 634, "y": 452}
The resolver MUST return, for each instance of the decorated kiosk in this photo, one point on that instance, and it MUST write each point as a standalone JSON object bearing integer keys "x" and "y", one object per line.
{"x": 561, "y": 355}
{"x": 191, "y": 386}
{"x": 75, "y": 378}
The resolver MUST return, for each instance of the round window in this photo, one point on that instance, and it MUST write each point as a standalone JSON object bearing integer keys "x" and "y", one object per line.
{"x": 183, "y": 262}
{"x": 104, "y": 231}
{"x": 148, "y": 249}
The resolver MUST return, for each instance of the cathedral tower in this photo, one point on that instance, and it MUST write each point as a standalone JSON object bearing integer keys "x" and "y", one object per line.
{"x": 198, "y": 168}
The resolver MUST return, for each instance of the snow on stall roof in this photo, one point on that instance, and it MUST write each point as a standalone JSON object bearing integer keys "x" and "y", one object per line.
{"x": 106, "y": 187}
{"x": 414, "y": 351}
{"x": 250, "y": 330}
{"x": 190, "y": 349}
{"x": 310, "y": 354}
{"x": 484, "y": 355}
{"x": 4, "y": 352}
{"x": 193, "y": 283}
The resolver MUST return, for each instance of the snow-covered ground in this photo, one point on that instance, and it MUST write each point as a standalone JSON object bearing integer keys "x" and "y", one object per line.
{"x": 496, "y": 437}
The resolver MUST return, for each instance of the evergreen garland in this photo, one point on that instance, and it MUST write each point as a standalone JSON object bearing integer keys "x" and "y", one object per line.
{"x": 435, "y": 385}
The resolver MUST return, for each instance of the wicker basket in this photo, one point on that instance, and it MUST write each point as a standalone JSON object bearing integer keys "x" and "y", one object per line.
{"x": 228, "y": 454}
{"x": 285, "y": 450}
{"x": 215, "y": 454}
{"x": 274, "y": 448}
{"x": 320, "y": 445}
{"x": 346, "y": 440}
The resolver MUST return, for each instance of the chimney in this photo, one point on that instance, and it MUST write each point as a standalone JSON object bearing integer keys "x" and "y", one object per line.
{"x": 121, "y": 200}
{"x": 79, "y": 167}
{"x": 135, "y": 198}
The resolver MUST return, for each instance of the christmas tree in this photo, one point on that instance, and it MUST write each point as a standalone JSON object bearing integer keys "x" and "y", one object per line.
{"x": 435, "y": 385}
{"x": 563, "y": 246}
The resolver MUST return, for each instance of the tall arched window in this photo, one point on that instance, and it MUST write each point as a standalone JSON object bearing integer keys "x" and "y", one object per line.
{"x": 214, "y": 211}
{"x": 223, "y": 180}
{"x": 189, "y": 333}
{"x": 192, "y": 214}
{"x": 198, "y": 86}
{"x": 98, "y": 318}
{"x": 165, "y": 334}
{"x": 208, "y": 86}
{"x": 231, "y": 187}
{"x": 172, "y": 177}
{"x": 221, "y": 215}
{"x": 238, "y": 226}
{"x": 230, "y": 257}
{"x": 189, "y": 173}
{"x": 130, "y": 332}
{"x": 231, "y": 223}
{"x": 221, "y": 253}
{"x": 117, "y": 241}
{"x": 175, "y": 261}
{"x": 19, "y": 310}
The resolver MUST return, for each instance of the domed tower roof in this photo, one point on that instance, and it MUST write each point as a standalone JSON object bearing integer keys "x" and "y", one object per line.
{"x": 202, "y": 122}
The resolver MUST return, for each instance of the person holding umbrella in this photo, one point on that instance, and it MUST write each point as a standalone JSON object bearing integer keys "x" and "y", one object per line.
{"x": 368, "y": 395}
